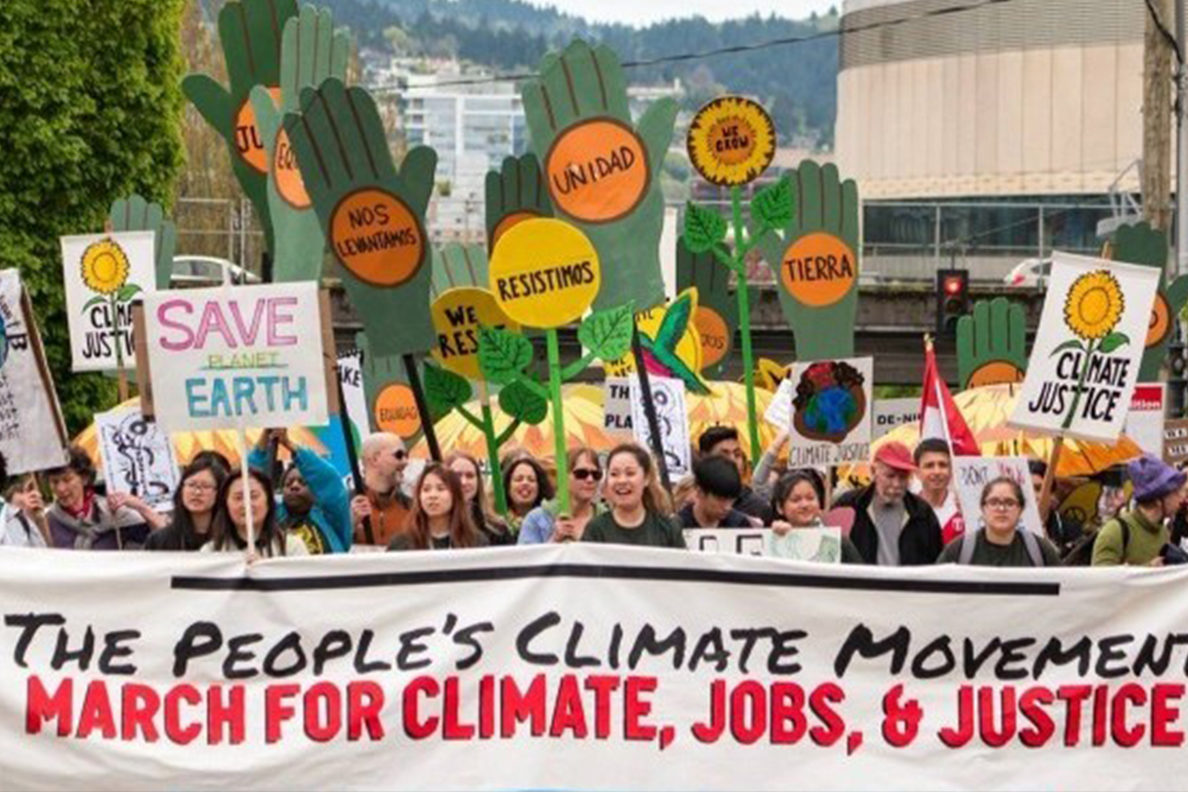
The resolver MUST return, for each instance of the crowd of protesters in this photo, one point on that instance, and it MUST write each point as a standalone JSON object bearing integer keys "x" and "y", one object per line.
{"x": 907, "y": 515}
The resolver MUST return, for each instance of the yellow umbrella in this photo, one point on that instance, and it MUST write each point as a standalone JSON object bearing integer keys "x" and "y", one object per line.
{"x": 186, "y": 445}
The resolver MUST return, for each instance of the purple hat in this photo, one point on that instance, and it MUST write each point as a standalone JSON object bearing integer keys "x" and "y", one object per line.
{"x": 1153, "y": 478}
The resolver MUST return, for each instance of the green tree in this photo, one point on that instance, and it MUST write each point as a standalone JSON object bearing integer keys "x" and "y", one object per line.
{"x": 90, "y": 109}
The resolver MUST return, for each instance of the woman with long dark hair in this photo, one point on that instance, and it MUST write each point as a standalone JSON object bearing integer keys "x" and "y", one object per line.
{"x": 229, "y": 529}
{"x": 527, "y": 486}
{"x": 640, "y": 510}
{"x": 440, "y": 519}
{"x": 466, "y": 467}
{"x": 194, "y": 507}
{"x": 798, "y": 500}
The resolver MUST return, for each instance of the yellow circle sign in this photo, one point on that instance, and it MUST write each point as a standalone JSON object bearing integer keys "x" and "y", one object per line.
{"x": 396, "y": 411}
{"x": 731, "y": 141}
{"x": 457, "y": 315}
{"x": 544, "y": 273}
{"x": 249, "y": 143}
{"x": 818, "y": 269}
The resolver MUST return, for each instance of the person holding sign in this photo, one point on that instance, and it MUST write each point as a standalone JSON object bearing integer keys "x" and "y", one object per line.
{"x": 546, "y": 524}
{"x": 1138, "y": 536}
{"x": 229, "y": 534}
{"x": 440, "y": 518}
{"x": 194, "y": 504}
{"x": 934, "y": 469}
{"x": 798, "y": 500}
{"x": 892, "y": 527}
{"x": 717, "y": 486}
{"x": 639, "y": 507}
{"x": 314, "y": 505}
{"x": 80, "y": 519}
{"x": 1001, "y": 541}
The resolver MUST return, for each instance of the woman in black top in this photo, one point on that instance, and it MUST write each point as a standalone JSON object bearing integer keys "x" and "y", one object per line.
{"x": 470, "y": 476}
{"x": 440, "y": 519}
{"x": 193, "y": 507}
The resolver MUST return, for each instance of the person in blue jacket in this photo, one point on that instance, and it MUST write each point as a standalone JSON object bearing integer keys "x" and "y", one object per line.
{"x": 315, "y": 506}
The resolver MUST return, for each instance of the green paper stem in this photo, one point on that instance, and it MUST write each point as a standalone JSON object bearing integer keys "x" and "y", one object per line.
{"x": 562, "y": 463}
{"x": 493, "y": 444}
{"x": 506, "y": 434}
{"x": 724, "y": 258}
{"x": 577, "y": 367}
{"x": 531, "y": 384}
{"x": 744, "y": 320}
{"x": 1068, "y": 419}
{"x": 473, "y": 419}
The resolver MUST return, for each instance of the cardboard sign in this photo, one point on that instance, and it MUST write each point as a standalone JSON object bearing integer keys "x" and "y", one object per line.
{"x": 1144, "y": 423}
{"x": 104, "y": 274}
{"x": 457, "y": 316}
{"x": 972, "y": 474}
{"x": 891, "y": 413}
{"x": 800, "y": 544}
{"x": 779, "y": 409}
{"x": 731, "y": 141}
{"x": 669, "y": 397}
{"x": 137, "y": 457}
{"x": 544, "y": 273}
{"x": 249, "y": 356}
{"x": 377, "y": 237}
{"x": 32, "y": 433}
{"x": 597, "y": 170}
{"x": 819, "y": 269}
{"x": 1175, "y": 441}
{"x": 830, "y": 420}
{"x": 1099, "y": 311}
{"x": 354, "y": 396}
{"x": 616, "y": 407}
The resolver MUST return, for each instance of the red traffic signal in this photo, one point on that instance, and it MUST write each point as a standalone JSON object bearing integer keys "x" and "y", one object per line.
{"x": 952, "y": 299}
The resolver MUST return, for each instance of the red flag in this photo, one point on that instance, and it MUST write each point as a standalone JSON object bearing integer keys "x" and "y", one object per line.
{"x": 939, "y": 416}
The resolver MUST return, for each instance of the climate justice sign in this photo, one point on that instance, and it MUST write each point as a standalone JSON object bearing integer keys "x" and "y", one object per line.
{"x": 248, "y": 356}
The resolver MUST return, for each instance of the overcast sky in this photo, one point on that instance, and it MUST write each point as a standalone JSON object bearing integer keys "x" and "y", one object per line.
{"x": 642, "y": 12}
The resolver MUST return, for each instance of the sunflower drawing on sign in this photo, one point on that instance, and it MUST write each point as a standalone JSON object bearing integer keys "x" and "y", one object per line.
{"x": 731, "y": 141}
{"x": 1092, "y": 310}
{"x": 105, "y": 270}
{"x": 830, "y": 401}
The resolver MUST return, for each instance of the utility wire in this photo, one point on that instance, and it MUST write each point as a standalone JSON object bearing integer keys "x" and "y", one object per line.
{"x": 1163, "y": 31}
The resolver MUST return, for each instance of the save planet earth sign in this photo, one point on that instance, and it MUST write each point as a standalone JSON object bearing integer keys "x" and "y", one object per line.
{"x": 248, "y": 356}
{"x": 1085, "y": 361}
{"x": 831, "y": 412}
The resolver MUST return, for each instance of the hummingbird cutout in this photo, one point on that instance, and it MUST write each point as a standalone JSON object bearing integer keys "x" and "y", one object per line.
{"x": 660, "y": 349}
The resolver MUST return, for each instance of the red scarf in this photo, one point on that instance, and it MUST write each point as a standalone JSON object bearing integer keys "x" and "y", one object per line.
{"x": 83, "y": 512}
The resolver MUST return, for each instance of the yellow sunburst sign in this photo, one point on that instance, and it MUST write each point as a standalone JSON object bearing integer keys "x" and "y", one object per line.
{"x": 105, "y": 267}
{"x": 731, "y": 141}
{"x": 1094, "y": 305}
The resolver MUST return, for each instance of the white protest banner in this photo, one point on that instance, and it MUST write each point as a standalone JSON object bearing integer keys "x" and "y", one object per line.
{"x": 779, "y": 409}
{"x": 104, "y": 275}
{"x": 350, "y": 374}
{"x": 892, "y": 413}
{"x": 32, "y": 432}
{"x": 831, "y": 409}
{"x": 604, "y": 667}
{"x": 616, "y": 407}
{"x": 1097, "y": 310}
{"x": 972, "y": 474}
{"x": 802, "y": 544}
{"x": 1144, "y": 422}
{"x": 668, "y": 394}
{"x": 243, "y": 356}
{"x": 137, "y": 457}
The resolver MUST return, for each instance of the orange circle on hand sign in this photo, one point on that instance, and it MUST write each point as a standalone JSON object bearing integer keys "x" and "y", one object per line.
{"x": 396, "y": 411}
{"x": 1160, "y": 321}
{"x": 714, "y": 333}
{"x": 377, "y": 237}
{"x": 507, "y": 222}
{"x": 457, "y": 315}
{"x": 289, "y": 184}
{"x": 597, "y": 171}
{"x": 544, "y": 272}
{"x": 818, "y": 269}
{"x": 248, "y": 141}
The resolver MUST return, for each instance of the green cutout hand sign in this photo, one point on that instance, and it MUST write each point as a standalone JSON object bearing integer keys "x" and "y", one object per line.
{"x": 815, "y": 261}
{"x": 250, "y": 32}
{"x": 311, "y": 51}
{"x": 602, "y": 174}
{"x": 134, "y": 213}
{"x": 717, "y": 307}
{"x": 386, "y": 389}
{"x": 515, "y": 192}
{"x": 992, "y": 344}
{"x": 372, "y": 214}
{"x": 1141, "y": 244}
{"x": 455, "y": 266}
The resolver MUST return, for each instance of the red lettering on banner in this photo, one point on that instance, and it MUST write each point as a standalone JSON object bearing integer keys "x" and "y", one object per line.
{"x": 277, "y": 710}
{"x": 518, "y": 706}
{"x": 140, "y": 705}
{"x": 323, "y": 712}
{"x": 1163, "y": 715}
{"x": 414, "y": 727}
{"x": 174, "y": 731}
{"x": 636, "y": 708}
{"x": 42, "y": 707}
{"x": 833, "y": 728}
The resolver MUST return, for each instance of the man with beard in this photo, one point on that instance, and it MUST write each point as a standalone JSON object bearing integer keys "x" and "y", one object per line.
{"x": 314, "y": 503}
{"x": 381, "y": 509}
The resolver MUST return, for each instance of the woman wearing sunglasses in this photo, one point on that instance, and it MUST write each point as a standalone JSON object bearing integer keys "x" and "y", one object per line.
{"x": 1001, "y": 540}
{"x": 543, "y": 524}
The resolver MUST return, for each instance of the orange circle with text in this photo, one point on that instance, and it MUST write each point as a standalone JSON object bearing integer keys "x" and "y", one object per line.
{"x": 396, "y": 411}
{"x": 818, "y": 269}
{"x": 286, "y": 174}
{"x": 1160, "y": 321}
{"x": 377, "y": 237}
{"x": 508, "y": 221}
{"x": 714, "y": 333}
{"x": 597, "y": 171}
{"x": 732, "y": 140}
{"x": 246, "y": 137}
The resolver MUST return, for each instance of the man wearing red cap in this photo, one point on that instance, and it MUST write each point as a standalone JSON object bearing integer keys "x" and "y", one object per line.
{"x": 893, "y": 527}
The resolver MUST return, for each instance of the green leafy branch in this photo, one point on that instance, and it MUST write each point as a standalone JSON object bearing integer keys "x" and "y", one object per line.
{"x": 705, "y": 230}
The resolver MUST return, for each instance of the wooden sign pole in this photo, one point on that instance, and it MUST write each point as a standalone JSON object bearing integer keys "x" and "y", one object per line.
{"x": 1045, "y": 496}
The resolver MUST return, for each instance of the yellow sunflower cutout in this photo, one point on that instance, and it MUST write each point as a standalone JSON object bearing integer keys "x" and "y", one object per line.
{"x": 731, "y": 141}
{"x": 105, "y": 267}
{"x": 1094, "y": 305}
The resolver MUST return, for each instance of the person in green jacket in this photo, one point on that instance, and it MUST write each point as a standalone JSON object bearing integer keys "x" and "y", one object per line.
{"x": 1137, "y": 535}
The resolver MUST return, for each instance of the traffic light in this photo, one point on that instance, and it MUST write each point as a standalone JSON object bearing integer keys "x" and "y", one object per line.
{"x": 952, "y": 300}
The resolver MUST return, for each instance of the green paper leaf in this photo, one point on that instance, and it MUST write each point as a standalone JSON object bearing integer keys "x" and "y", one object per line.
{"x": 608, "y": 333}
{"x": 127, "y": 292}
{"x": 445, "y": 390}
{"x": 703, "y": 228}
{"x": 1073, "y": 344}
{"x": 1112, "y": 342}
{"x": 518, "y": 401}
{"x": 503, "y": 355}
{"x": 772, "y": 205}
{"x": 96, "y": 300}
